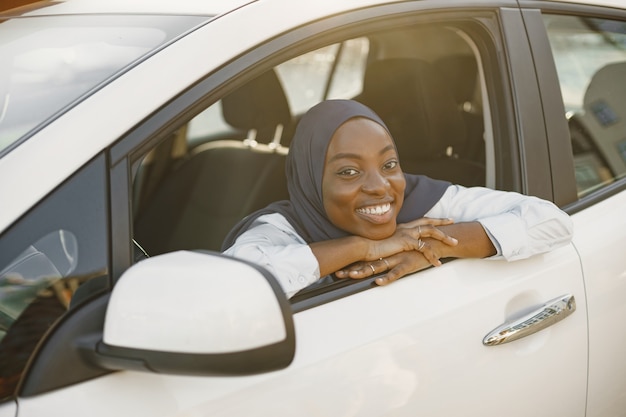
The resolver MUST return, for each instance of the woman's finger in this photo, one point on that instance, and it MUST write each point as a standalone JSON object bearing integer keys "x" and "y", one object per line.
{"x": 431, "y": 256}
{"x": 434, "y": 233}
{"x": 358, "y": 270}
{"x": 403, "y": 264}
{"x": 362, "y": 270}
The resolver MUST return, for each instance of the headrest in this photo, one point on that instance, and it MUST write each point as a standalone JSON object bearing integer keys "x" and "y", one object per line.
{"x": 604, "y": 117}
{"x": 417, "y": 106}
{"x": 260, "y": 104}
{"x": 605, "y": 84}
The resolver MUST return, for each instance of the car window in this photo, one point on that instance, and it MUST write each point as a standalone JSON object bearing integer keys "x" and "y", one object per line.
{"x": 229, "y": 160}
{"x": 590, "y": 57}
{"x": 50, "y": 261}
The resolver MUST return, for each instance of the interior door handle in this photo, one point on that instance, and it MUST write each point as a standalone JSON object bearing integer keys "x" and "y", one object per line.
{"x": 550, "y": 313}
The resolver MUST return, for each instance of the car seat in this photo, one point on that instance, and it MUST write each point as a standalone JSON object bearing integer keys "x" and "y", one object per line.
{"x": 461, "y": 74}
{"x": 604, "y": 115}
{"x": 222, "y": 181}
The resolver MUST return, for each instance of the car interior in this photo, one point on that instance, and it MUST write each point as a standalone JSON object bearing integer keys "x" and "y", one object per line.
{"x": 188, "y": 194}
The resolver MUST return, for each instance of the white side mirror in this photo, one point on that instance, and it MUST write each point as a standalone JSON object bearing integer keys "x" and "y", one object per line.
{"x": 197, "y": 313}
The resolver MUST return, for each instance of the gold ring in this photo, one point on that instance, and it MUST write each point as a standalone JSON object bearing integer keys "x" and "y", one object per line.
{"x": 386, "y": 263}
{"x": 373, "y": 270}
{"x": 420, "y": 244}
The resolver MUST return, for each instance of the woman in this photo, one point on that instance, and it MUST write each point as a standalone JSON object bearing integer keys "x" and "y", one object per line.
{"x": 354, "y": 213}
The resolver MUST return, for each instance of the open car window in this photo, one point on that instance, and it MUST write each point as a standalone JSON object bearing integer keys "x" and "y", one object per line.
{"x": 425, "y": 81}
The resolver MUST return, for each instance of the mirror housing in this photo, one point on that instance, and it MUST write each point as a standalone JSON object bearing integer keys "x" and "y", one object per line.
{"x": 196, "y": 313}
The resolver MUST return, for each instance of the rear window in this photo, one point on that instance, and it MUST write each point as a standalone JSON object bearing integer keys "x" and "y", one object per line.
{"x": 50, "y": 62}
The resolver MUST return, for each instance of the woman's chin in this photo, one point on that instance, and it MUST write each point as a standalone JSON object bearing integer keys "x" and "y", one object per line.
{"x": 379, "y": 232}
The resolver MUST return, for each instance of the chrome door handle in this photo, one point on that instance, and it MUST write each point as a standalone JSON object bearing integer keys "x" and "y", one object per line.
{"x": 550, "y": 313}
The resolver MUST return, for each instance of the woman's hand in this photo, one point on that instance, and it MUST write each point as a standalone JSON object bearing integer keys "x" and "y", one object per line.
{"x": 412, "y": 236}
{"x": 473, "y": 242}
{"x": 420, "y": 238}
{"x": 397, "y": 266}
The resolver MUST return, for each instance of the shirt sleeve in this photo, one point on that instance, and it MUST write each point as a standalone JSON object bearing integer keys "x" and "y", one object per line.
{"x": 519, "y": 226}
{"x": 273, "y": 243}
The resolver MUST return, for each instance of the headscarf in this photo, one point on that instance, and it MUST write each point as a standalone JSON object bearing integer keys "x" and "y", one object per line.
{"x": 304, "y": 169}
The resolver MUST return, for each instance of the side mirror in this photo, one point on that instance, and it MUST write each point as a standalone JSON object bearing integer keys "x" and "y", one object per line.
{"x": 196, "y": 313}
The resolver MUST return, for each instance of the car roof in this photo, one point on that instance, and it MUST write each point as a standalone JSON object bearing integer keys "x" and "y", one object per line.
{"x": 178, "y": 7}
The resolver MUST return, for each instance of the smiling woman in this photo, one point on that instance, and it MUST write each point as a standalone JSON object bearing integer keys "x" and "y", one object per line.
{"x": 362, "y": 156}
{"x": 353, "y": 213}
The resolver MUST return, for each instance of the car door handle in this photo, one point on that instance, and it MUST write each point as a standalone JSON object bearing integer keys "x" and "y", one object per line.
{"x": 550, "y": 313}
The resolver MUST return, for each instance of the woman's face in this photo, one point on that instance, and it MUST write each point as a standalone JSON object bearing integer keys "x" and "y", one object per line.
{"x": 362, "y": 184}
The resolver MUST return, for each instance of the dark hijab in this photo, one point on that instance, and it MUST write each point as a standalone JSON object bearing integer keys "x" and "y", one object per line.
{"x": 304, "y": 168}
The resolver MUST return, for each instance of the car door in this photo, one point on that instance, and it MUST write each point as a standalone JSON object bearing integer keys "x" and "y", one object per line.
{"x": 593, "y": 99}
{"x": 415, "y": 347}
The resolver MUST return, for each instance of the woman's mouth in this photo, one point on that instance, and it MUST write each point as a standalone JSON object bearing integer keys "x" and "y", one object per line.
{"x": 378, "y": 214}
{"x": 378, "y": 210}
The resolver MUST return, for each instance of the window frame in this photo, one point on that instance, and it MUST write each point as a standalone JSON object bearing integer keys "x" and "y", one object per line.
{"x": 487, "y": 23}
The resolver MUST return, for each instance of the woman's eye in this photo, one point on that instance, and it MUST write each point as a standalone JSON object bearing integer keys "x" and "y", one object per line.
{"x": 348, "y": 172}
{"x": 391, "y": 165}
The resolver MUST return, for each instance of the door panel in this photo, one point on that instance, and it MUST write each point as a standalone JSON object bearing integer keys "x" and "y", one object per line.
{"x": 600, "y": 241}
{"x": 8, "y": 409}
{"x": 410, "y": 348}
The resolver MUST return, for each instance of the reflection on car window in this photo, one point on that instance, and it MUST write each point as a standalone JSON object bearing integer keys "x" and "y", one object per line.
{"x": 51, "y": 261}
{"x": 590, "y": 57}
{"x": 39, "y": 268}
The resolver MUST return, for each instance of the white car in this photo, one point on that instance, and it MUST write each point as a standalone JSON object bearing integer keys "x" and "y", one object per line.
{"x": 134, "y": 134}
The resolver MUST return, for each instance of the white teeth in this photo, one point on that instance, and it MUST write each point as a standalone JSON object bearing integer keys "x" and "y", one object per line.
{"x": 377, "y": 210}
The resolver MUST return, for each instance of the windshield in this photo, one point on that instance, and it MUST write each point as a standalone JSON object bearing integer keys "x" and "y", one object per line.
{"x": 50, "y": 62}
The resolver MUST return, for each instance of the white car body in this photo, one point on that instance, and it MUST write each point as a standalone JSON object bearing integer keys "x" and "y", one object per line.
{"x": 411, "y": 348}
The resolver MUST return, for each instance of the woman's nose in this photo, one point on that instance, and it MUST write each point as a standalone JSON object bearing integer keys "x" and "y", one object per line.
{"x": 375, "y": 182}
